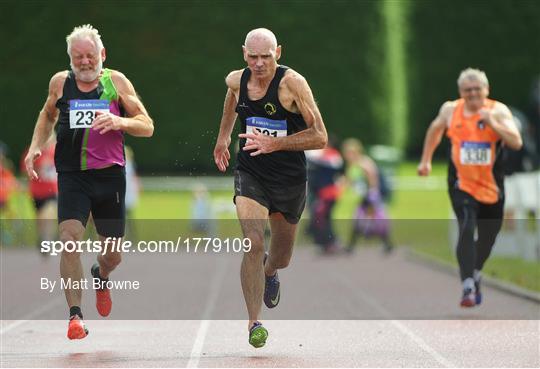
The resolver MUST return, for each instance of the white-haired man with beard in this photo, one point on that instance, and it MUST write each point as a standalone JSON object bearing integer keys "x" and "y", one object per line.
{"x": 90, "y": 108}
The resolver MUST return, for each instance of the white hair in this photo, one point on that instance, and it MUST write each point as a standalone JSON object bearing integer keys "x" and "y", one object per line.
{"x": 471, "y": 74}
{"x": 82, "y": 32}
{"x": 261, "y": 33}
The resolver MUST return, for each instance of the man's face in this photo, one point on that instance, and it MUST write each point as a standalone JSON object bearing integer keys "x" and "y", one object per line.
{"x": 261, "y": 58}
{"x": 86, "y": 61}
{"x": 474, "y": 92}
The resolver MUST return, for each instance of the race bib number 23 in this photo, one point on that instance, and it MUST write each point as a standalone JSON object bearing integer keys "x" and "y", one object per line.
{"x": 83, "y": 112}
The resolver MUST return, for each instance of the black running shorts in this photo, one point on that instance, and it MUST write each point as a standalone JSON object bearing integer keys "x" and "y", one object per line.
{"x": 289, "y": 201}
{"x": 100, "y": 191}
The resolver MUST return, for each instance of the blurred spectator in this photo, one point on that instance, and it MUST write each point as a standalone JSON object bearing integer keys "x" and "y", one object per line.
{"x": 370, "y": 218}
{"x": 8, "y": 182}
{"x": 8, "y": 187}
{"x": 534, "y": 119}
{"x": 202, "y": 213}
{"x": 133, "y": 189}
{"x": 324, "y": 168}
{"x": 526, "y": 159}
{"x": 43, "y": 192}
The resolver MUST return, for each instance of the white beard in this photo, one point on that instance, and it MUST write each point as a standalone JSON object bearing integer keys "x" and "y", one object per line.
{"x": 87, "y": 75}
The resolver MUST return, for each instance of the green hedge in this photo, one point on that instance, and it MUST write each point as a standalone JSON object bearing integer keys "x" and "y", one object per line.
{"x": 497, "y": 36}
{"x": 178, "y": 53}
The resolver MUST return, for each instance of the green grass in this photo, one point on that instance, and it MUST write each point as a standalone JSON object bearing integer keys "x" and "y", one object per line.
{"x": 517, "y": 271}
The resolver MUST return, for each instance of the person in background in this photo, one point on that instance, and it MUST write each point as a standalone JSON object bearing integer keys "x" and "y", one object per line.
{"x": 478, "y": 129}
{"x": 133, "y": 190}
{"x": 202, "y": 213}
{"x": 325, "y": 167}
{"x": 44, "y": 191}
{"x": 370, "y": 218}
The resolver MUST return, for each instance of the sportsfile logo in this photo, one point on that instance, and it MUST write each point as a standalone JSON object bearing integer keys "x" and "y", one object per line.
{"x": 183, "y": 244}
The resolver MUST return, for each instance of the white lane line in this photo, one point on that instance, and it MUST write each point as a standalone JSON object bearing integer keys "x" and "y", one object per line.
{"x": 52, "y": 304}
{"x": 211, "y": 301}
{"x": 400, "y": 326}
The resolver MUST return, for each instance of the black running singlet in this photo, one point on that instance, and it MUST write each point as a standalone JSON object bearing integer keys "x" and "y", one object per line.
{"x": 268, "y": 116}
{"x": 78, "y": 146}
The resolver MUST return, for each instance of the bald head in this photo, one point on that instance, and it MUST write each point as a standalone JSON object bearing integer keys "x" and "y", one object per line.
{"x": 260, "y": 36}
{"x": 261, "y": 52}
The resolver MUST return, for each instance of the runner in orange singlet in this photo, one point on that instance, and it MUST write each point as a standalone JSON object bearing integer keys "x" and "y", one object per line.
{"x": 477, "y": 128}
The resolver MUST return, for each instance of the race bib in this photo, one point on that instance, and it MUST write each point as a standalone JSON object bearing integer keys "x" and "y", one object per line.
{"x": 269, "y": 127}
{"x": 475, "y": 153}
{"x": 83, "y": 112}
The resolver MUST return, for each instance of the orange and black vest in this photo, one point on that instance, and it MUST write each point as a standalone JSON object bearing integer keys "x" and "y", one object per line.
{"x": 475, "y": 161}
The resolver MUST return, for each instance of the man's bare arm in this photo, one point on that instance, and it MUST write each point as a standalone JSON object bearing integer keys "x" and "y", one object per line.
{"x": 45, "y": 123}
{"x": 229, "y": 115}
{"x": 433, "y": 137}
{"x": 315, "y": 136}
{"x": 228, "y": 118}
{"x": 137, "y": 123}
{"x": 500, "y": 119}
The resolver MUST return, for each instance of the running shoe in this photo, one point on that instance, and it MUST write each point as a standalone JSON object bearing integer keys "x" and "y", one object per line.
{"x": 478, "y": 297}
{"x": 271, "y": 289}
{"x": 468, "y": 299}
{"x": 76, "y": 328}
{"x": 257, "y": 335}
{"x": 103, "y": 296}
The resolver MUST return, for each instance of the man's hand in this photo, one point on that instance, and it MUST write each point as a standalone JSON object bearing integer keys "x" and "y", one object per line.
{"x": 29, "y": 160}
{"x": 105, "y": 122}
{"x": 222, "y": 155}
{"x": 486, "y": 115}
{"x": 261, "y": 143}
{"x": 424, "y": 169}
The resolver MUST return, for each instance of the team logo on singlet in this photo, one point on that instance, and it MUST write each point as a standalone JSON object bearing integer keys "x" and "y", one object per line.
{"x": 270, "y": 108}
{"x": 481, "y": 124}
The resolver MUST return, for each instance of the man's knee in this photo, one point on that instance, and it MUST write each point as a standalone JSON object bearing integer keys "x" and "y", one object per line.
{"x": 256, "y": 238}
{"x": 257, "y": 244}
{"x": 70, "y": 230}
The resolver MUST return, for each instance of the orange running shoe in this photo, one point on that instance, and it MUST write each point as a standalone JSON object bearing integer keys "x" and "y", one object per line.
{"x": 76, "y": 328}
{"x": 103, "y": 296}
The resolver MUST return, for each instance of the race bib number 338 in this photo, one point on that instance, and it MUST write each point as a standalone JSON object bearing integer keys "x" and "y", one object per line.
{"x": 269, "y": 127}
{"x": 83, "y": 112}
{"x": 475, "y": 153}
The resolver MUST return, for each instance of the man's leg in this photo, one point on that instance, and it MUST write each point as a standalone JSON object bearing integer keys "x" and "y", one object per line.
{"x": 466, "y": 212}
{"x": 490, "y": 219}
{"x": 489, "y": 224}
{"x": 71, "y": 267}
{"x": 281, "y": 244}
{"x": 109, "y": 260}
{"x": 109, "y": 212}
{"x": 70, "y": 262}
{"x": 253, "y": 218}
{"x": 466, "y": 209}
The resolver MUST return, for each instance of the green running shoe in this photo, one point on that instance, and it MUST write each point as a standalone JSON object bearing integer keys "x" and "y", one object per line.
{"x": 257, "y": 335}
